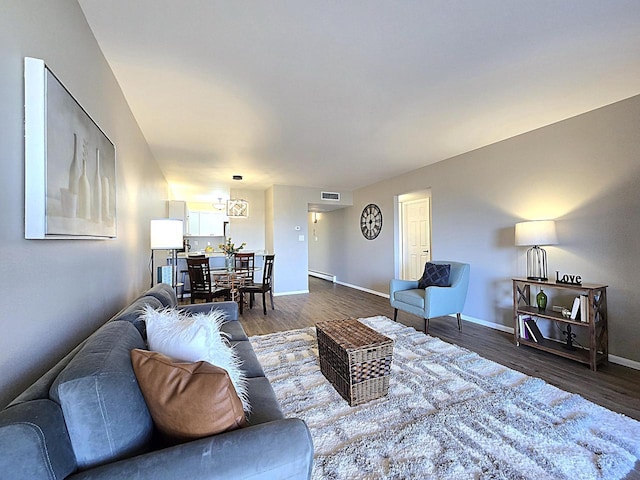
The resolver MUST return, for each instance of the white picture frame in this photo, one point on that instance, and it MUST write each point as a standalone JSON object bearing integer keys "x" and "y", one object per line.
{"x": 70, "y": 164}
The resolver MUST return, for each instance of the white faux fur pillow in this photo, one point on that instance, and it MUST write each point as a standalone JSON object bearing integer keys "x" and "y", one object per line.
{"x": 192, "y": 338}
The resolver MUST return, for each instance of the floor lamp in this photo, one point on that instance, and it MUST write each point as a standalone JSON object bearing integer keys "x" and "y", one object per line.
{"x": 166, "y": 234}
{"x": 534, "y": 234}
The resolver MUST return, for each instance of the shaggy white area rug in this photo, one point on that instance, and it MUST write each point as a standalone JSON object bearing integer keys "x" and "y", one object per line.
{"x": 449, "y": 414}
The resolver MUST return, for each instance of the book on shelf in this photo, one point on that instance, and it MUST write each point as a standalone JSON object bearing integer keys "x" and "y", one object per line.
{"x": 523, "y": 330}
{"x": 575, "y": 309}
{"x": 533, "y": 330}
{"x": 584, "y": 310}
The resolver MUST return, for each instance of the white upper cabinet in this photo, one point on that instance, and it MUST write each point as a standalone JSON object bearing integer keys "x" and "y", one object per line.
{"x": 203, "y": 224}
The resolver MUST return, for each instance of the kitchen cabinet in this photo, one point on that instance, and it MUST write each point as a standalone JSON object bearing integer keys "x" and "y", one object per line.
{"x": 204, "y": 224}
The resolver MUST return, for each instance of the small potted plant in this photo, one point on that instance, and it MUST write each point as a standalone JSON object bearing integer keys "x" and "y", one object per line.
{"x": 230, "y": 250}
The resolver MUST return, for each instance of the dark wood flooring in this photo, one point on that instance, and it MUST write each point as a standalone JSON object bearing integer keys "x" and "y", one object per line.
{"x": 613, "y": 386}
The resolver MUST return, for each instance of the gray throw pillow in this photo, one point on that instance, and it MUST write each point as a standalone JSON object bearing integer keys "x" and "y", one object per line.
{"x": 435, "y": 275}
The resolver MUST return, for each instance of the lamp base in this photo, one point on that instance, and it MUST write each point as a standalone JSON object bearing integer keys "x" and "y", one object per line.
{"x": 536, "y": 264}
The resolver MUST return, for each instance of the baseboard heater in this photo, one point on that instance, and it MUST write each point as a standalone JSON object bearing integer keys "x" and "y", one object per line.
{"x": 322, "y": 275}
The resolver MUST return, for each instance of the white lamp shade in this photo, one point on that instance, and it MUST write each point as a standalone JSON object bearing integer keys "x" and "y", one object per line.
{"x": 166, "y": 234}
{"x": 538, "y": 232}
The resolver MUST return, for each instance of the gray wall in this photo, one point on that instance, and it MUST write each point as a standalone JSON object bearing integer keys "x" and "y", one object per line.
{"x": 250, "y": 230}
{"x": 584, "y": 172}
{"x": 55, "y": 292}
{"x": 289, "y": 211}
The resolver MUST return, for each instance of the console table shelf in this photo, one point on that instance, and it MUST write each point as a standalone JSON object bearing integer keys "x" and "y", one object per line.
{"x": 596, "y": 320}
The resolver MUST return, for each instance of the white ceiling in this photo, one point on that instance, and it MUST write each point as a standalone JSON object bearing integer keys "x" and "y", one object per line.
{"x": 342, "y": 94}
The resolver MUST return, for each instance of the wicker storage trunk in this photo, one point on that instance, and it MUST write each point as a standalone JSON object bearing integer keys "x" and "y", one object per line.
{"x": 355, "y": 359}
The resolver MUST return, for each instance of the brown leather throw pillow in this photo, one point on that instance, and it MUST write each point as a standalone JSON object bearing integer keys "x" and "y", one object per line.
{"x": 187, "y": 400}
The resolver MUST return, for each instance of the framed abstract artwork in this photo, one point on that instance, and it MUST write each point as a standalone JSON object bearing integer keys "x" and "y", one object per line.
{"x": 237, "y": 208}
{"x": 70, "y": 164}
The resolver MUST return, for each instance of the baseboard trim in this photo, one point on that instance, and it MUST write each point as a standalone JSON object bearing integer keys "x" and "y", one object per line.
{"x": 323, "y": 276}
{"x": 362, "y": 289}
{"x": 493, "y": 325}
{"x": 294, "y": 292}
{"x": 625, "y": 362}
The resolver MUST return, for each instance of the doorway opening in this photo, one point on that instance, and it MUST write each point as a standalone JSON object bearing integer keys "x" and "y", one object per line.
{"x": 414, "y": 233}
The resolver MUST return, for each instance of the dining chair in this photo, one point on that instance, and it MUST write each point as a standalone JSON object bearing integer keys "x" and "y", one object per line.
{"x": 244, "y": 267}
{"x": 200, "y": 282}
{"x": 264, "y": 287}
{"x": 185, "y": 272}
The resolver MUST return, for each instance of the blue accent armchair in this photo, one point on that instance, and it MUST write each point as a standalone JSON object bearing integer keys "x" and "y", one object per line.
{"x": 432, "y": 301}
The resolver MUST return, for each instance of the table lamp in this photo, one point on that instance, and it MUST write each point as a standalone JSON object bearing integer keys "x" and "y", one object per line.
{"x": 536, "y": 233}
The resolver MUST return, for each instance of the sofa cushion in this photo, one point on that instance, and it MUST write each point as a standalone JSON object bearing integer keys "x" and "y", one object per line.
{"x": 265, "y": 405}
{"x": 193, "y": 338}
{"x": 34, "y": 442}
{"x": 133, "y": 312}
{"x": 103, "y": 407}
{"x": 164, "y": 293}
{"x": 187, "y": 400}
{"x": 413, "y": 297}
{"x": 435, "y": 275}
{"x": 250, "y": 363}
{"x": 234, "y": 331}
{"x": 228, "y": 307}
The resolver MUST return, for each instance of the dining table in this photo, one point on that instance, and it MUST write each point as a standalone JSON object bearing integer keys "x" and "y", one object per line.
{"x": 232, "y": 279}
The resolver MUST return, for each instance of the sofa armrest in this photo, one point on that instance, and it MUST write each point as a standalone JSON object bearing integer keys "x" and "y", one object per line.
{"x": 34, "y": 442}
{"x": 282, "y": 449}
{"x": 444, "y": 300}
{"x": 231, "y": 308}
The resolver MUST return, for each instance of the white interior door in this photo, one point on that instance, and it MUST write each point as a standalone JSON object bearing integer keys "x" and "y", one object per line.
{"x": 416, "y": 237}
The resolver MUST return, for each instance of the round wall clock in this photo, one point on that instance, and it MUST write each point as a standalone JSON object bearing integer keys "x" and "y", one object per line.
{"x": 371, "y": 221}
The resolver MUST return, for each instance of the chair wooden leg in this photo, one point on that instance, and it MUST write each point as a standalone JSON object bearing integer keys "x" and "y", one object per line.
{"x": 459, "y": 322}
{"x": 264, "y": 302}
{"x": 426, "y": 325}
{"x": 184, "y": 276}
{"x": 395, "y": 314}
{"x": 271, "y": 296}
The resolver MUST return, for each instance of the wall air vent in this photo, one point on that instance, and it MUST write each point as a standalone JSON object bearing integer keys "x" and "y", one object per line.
{"x": 335, "y": 196}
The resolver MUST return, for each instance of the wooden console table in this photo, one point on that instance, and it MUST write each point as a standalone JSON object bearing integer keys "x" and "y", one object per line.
{"x": 594, "y": 319}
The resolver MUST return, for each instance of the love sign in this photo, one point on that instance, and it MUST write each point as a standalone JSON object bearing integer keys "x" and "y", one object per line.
{"x": 568, "y": 279}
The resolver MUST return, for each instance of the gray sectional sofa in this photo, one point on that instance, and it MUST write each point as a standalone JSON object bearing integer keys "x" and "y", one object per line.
{"x": 86, "y": 418}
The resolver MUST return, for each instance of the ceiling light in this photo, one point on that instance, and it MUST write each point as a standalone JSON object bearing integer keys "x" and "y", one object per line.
{"x": 237, "y": 177}
{"x": 219, "y": 205}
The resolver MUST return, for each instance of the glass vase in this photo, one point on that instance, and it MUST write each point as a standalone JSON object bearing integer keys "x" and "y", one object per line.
{"x": 541, "y": 300}
{"x": 228, "y": 262}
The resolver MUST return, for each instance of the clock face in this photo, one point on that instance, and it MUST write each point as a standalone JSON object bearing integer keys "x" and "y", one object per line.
{"x": 371, "y": 221}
